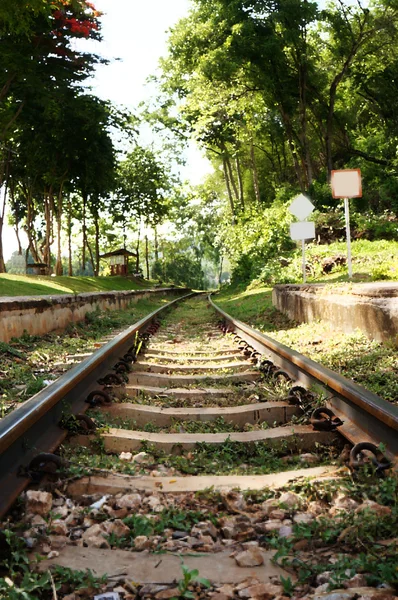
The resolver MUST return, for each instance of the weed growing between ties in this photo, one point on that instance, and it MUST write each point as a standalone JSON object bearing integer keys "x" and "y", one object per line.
{"x": 237, "y": 458}
{"x": 29, "y": 363}
{"x": 241, "y": 394}
{"x": 228, "y": 458}
{"x": 105, "y": 421}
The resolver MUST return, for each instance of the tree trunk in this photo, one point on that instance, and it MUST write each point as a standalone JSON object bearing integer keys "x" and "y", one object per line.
{"x": 156, "y": 243}
{"x": 59, "y": 270}
{"x": 84, "y": 197}
{"x": 147, "y": 257}
{"x": 4, "y": 178}
{"x": 220, "y": 269}
{"x": 30, "y": 229}
{"x": 48, "y": 213}
{"x": 16, "y": 224}
{"x": 137, "y": 260}
{"x": 97, "y": 251}
{"x": 2, "y": 214}
{"x": 240, "y": 183}
{"x": 16, "y": 229}
{"x": 231, "y": 200}
{"x": 46, "y": 244}
{"x": 254, "y": 172}
{"x": 69, "y": 226}
{"x": 231, "y": 178}
{"x": 91, "y": 254}
{"x": 2, "y": 262}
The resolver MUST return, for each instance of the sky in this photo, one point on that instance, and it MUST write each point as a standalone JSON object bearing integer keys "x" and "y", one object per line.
{"x": 135, "y": 32}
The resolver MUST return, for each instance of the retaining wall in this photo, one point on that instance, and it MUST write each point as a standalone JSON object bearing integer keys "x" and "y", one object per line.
{"x": 40, "y": 315}
{"x": 370, "y": 307}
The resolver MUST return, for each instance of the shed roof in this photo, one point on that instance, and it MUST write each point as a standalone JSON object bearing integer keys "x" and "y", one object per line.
{"x": 121, "y": 252}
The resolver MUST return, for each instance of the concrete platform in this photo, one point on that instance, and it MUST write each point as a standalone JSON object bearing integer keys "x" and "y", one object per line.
{"x": 369, "y": 307}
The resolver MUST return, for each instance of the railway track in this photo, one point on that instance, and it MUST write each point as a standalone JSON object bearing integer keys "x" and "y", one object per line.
{"x": 159, "y": 428}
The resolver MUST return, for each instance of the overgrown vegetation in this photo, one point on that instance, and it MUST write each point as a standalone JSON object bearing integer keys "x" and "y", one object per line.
{"x": 368, "y": 362}
{"x": 227, "y": 458}
{"x": 29, "y": 363}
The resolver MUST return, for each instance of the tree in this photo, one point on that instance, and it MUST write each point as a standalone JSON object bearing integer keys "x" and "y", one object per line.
{"x": 40, "y": 77}
{"x": 142, "y": 192}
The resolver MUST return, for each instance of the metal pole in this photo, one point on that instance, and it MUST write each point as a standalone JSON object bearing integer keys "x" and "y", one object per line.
{"x": 348, "y": 234}
{"x": 303, "y": 249}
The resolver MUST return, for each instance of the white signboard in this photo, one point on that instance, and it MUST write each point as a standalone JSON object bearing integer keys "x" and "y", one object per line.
{"x": 305, "y": 230}
{"x": 301, "y": 207}
{"x": 346, "y": 183}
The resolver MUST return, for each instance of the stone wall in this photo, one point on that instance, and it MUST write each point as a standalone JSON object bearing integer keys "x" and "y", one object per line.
{"x": 41, "y": 315}
{"x": 370, "y": 307}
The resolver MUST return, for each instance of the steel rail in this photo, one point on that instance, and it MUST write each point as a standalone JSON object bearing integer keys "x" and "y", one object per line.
{"x": 367, "y": 416}
{"x": 34, "y": 427}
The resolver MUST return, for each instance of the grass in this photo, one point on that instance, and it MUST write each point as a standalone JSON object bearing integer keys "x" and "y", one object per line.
{"x": 367, "y": 362}
{"x": 34, "y": 285}
{"x": 371, "y": 261}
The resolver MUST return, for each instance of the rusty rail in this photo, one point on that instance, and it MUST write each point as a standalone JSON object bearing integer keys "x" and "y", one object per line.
{"x": 366, "y": 416}
{"x": 33, "y": 427}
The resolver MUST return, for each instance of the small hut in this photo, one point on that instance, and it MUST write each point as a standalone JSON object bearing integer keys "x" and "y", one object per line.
{"x": 119, "y": 260}
{"x": 37, "y": 269}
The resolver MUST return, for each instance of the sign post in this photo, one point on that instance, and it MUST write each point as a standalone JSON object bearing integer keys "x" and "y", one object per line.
{"x": 302, "y": 207}
{"x": 347, "y": 183}
{"x": 348, "y": 235}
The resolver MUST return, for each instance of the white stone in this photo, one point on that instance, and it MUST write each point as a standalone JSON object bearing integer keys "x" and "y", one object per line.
{"x": 129, "y": 501}
{"x": 126, "y": 456}
{"x": 141, "y": 458}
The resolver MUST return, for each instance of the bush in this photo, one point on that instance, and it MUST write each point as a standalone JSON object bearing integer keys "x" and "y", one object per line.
{"x": 181, "y": 269}
{"x": 258, "y": 237}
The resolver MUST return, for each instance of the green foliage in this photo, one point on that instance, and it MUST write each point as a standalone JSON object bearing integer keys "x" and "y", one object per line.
{"x": 182, "y": 269}
{"x": 24, "y": 583}
{"x": 143, "y": 187}
{"x": 257, "y": 238}
{"x": 288, "y": 585}
{"x": 190, "y": 576}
